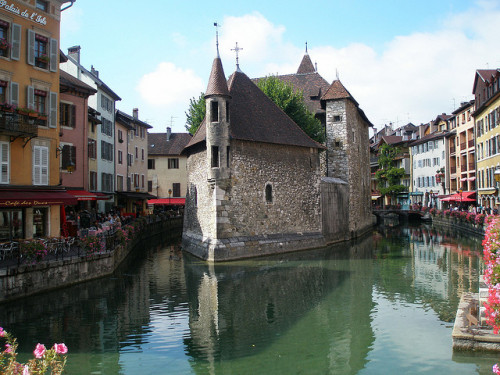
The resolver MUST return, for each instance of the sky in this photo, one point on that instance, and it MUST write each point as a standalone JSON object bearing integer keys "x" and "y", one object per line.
{"x": 403, "y": 61}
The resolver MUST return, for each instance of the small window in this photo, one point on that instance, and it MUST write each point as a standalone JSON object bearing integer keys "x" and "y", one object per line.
{"x": 173, "y": 163}
{"x": 176, "y": 189}
{"x": 41, "y": 51}
{"x": 42, "y": 5}
{"x": 227, "y": 111}
{"x": 337, "y": 118}
{"x": 215, "y": 111}
{"x": 4, "y": 39}
{"x": 215, "y": 157}
{"x": 151, "y": 163}
{"x": 227, "y": 156}
{"x": 269, "y": 193}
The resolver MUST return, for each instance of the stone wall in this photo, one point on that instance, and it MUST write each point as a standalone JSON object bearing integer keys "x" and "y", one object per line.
{"x": 349, "y": 159}
{"x": 232, "y": 218}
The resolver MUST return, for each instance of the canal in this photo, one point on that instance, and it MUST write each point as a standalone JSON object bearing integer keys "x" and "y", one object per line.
{"x": 383, "y": 305}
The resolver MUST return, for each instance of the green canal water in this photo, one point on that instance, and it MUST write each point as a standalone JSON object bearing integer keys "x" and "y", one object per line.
{"x": 383, "y": 305}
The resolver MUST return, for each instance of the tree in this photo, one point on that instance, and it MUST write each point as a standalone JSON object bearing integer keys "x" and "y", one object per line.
{"x": 388, "y": 175}
{"x": 292, "y": 103}
{"x": 195, "y": 113}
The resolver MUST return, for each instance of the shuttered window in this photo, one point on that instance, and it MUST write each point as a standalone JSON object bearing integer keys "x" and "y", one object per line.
{"x": 68, "y": 157}
{"x": 4, "y": 162}
{"x": 40, "y": 165}
{"x": 67, "y": 115}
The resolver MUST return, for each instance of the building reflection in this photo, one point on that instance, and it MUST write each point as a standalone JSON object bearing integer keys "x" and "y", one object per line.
{"x": 293, "y": 303}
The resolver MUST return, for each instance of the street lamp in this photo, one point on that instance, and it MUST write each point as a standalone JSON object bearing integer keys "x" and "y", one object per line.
{"x": 169, "y": 193}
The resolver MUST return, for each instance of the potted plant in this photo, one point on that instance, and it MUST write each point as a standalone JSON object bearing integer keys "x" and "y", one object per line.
{"x": 27, "y": 112}
{"x": 4, "y": 44}
{"x": 33, "y": 249}
{"x": 6, "y": 107}
{"x": 439, "y": 175}
{"x": 43, "y": 58}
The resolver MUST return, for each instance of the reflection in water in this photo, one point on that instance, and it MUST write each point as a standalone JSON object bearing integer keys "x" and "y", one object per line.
{"x": 346, "y": 309}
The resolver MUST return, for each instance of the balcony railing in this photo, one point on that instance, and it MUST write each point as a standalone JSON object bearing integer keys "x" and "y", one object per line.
{"x": 17, "y": 125}
{"x": 452, "y": 149}
{"x": 471, "y": 166}
{"x": 453, "y": 170}
{"x": 471, "y": 143}
{"x": 462, "y": 146}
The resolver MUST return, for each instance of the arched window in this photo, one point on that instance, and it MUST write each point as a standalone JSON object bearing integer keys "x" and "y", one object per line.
{"x": 269, "y": 193}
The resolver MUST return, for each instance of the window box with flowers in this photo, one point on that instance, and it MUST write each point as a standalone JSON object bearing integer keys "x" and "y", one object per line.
{"x": 4, "y": 44}
{"x": 8, "y": 108}
{"x": 27, "y": 112}
{"x": 439, "y": 175}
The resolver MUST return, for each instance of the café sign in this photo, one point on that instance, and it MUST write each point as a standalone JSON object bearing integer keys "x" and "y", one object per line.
{"x": 32, "y": 16}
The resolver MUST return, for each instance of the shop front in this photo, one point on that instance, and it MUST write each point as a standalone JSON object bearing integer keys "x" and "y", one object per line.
{"x": 31, "y": 213}
{"x": 132, "y": 202}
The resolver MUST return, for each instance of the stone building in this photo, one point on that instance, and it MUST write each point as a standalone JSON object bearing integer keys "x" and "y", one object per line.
{"x": 253, "y": 176}
{"x": 347, "y": 155}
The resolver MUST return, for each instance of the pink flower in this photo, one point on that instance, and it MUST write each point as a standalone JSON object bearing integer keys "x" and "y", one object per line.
{"x": 496, "y": 369}
{"x": 26, "y": 370}
{"x": 2, "y": 332}
{"x": 39, "y": 350}
{"x": 8, "y": 348}
{"x": 60, "y": 348}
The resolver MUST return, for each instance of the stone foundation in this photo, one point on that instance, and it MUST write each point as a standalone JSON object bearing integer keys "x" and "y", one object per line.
{"x": 248, "y": 247}
{"x": 472, "y": 337}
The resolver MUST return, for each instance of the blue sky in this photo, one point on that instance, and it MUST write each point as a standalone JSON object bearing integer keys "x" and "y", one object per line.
{"x": 401, "y": 60}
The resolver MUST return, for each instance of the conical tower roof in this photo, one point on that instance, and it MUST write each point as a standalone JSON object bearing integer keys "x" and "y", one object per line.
{"x": 306, "y": 66}
{"x": 217, "y": 84}
{"x": 337, "y": 91}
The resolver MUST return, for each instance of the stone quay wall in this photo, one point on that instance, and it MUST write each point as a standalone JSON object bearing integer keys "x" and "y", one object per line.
{"x": 25, "y": 280}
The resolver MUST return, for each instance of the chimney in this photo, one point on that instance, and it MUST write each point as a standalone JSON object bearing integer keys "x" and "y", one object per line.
{"x": 94, "y": 72}
{"x": 135, "y": 113}
{"x": 74, "y": 53}
{"x": 169, "y": 132}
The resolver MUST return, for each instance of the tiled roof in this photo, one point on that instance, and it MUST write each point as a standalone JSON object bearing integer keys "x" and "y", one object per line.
{"x": 429, "y": 137}
{"x": 130, "y": 120}
{"x": 255, "y": 117}
{"x": 337, "y": 91}
{"x": 158, "y": 144}
{"x": 67, "y": 81}
{"x": 217, "y": 84}
{"x": 306, "y": 65}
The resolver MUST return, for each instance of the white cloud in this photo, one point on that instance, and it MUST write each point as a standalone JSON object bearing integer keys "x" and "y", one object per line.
{"x": 169, "y": 85}
{"x": 414, "y": 78}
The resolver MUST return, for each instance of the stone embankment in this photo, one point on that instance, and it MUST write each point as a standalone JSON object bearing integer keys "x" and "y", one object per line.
{"x": 22, "y": 280}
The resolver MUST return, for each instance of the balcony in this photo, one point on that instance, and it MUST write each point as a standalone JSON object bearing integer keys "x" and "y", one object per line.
{"x": 471, "y": 143}
{"x": 452, "y": 149}
{"x": 17, "y": 125}
{"x": 462, "y": 146}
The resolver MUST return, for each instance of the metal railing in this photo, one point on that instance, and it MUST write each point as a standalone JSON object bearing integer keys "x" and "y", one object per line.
{"x": 16, "y": 124}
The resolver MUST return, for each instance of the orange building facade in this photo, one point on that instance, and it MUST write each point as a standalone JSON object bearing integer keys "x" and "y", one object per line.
{"x": 31, "y": 195}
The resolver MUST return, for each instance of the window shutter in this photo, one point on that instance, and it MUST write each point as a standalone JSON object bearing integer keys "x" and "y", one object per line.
{"x": 65, "y": 157}
{"x": 30, "y": 97}
{"x": 45, "y": 165}
{"x": 36, "y": 165}
{"x": 15, "y": 51}
{"x": 53, "y": 55}
{"x": 14, "y": 93}
{"x": 4, "y": 162}
{"x": 72, "y": 118}
{"x": 53, "y": 110}
{"x": 73, "y": 156}
{"x": 30, "y": 53}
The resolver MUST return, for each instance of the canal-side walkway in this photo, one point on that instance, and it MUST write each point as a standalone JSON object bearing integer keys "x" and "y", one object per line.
{"x": 20, "y": 278}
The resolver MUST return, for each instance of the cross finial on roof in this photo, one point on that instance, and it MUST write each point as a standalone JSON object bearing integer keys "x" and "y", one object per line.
{"x": 217, "y": 37}
{"x": 237, "y": 49}
{"x": 306, "y": 47}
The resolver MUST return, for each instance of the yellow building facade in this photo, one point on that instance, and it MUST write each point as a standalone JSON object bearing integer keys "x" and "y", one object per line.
{"x": 30, "y": 192}
{"x": 487, "y": 123}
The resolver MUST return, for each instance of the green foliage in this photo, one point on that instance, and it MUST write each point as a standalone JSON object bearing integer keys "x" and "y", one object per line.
{"x": 292, "y": 103}
{"x": 388, "y": 176}
{"x": 195, "y": 113}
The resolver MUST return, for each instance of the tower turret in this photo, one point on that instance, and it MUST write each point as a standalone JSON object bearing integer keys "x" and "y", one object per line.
{"x": 217, "y": 100}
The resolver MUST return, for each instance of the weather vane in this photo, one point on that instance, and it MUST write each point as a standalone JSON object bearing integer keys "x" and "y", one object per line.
{"x": 237, "y": 49}
{"x": 217, "y": 36}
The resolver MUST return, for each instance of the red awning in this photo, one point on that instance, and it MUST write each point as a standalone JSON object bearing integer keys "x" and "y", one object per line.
{"x": 168, "y": 201}
{"x": 83, "y": 195}
{"x": 466, "y": 196}
{"x": 23, "y": 198}
{"x": 101, "y": 196}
